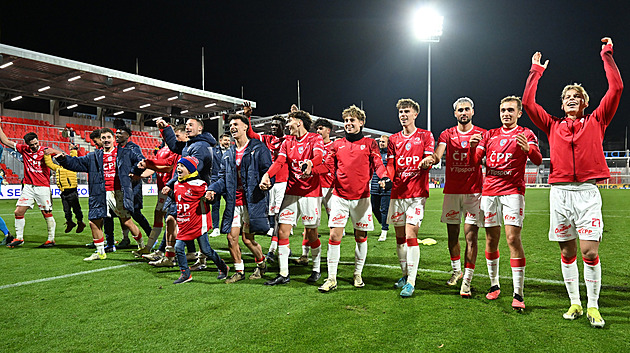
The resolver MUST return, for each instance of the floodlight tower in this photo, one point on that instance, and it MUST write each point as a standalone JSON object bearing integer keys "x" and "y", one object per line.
{"x": 427, "y": 26}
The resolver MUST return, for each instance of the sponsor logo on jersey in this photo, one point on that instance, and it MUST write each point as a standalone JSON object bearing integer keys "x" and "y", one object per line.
{"x": 452, "y": 213}
{"x": 584, "y": 231}
{"x": 507, "y": 217}
{"x": 361, "y": 225}
{"x": 470, "y": 215}
{"x": 307, "y": 218}
{"x": 562, "y": 228}
{"x": 408, "y": 146}
{"x": 338, "y": 218}
{"x": 464, "y": 144}
{"x": 287, "y": 213}
{"x": 503, "y": 142}
{"x": 397, "y": 215}
{"x": 490, "y": 215}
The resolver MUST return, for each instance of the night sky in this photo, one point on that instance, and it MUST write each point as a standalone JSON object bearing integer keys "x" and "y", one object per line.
{"x": 343, "y": 52}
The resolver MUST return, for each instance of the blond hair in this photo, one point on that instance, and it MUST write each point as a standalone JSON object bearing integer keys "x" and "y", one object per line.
{"x": 519, "y": 103}
{"x": 576, "y": 87}
{"x": 408, "y": 103}
{"x": 354, "y": 112}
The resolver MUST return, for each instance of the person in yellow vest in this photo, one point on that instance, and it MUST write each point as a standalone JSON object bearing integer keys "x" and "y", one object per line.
{"x": 67, "y": 183}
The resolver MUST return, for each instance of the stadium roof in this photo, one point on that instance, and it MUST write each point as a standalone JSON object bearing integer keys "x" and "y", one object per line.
{"x": 32, "y": 74}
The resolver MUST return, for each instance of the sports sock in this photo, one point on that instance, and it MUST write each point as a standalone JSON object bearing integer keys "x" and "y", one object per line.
{"x": 413, "y": 258}
{"x": 305, "y": 247}
{"x": 316, "y": 255}
{"x": 518, "y": 274}
{"x": 169, "y": 252}
{"x": 239, "y": 267}
{"x": 100, "y": 245}
{"x": 492, "y": 261}
{"x": 3, "y": 227}
{"x": 570, "y": 274}
{"x": 360, "y": 253}
{"x": 593, "y": 281}
{"x": 19, "y": 227}
{"x": 283, "y": 256}
{"x": 469, "y": 271}
{"x": 155, "y": 233}
{"x": 50, "y": 225}
{"x": 456, "y": 263}
{"x": 334, "y": 253}
{"x": 274, "y": 244}
{"x": 401, "y": 251}
{"x": 139, "y": 240}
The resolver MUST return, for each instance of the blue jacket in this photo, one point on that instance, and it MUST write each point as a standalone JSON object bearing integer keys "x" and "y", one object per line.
{"x": 137, "y": 185}
{"x": 92, "y": 163}
{"x": 217, "y": 156}
{"x": 374, "y": 188}
{"x": 256, "y": 161}
{"x": 199, "y": 147}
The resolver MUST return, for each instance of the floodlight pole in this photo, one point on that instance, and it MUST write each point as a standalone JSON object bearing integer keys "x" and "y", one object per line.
{"x": 429, "y": 91}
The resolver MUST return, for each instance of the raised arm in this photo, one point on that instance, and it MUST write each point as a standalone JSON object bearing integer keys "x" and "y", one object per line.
{"x": 609, "y": 103}
{"x": 536, "y": 113}
{"x": 5, "y": 140}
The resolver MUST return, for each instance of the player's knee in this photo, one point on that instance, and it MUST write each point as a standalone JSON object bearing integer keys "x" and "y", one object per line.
{"x": 589, "y": 254}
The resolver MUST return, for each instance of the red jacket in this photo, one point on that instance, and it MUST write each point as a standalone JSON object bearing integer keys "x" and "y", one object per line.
{"x": 576, "y": 145}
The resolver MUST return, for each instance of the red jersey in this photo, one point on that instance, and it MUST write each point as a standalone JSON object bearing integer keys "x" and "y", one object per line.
{"x": 463, "y": 176}
{"x": 505, "y": 160}
{"x": 404, "y": 154}
{"x": 353, "y": 164}
{"x": 36, "y": 172}
{"x": 191, "y": 222}
{"x": 273, "y": 143}
{"x": 240, "y": 195}
{"x": 112, "y": 182}
{"x": 294, "y": 152}
{"x": 328, "y": 178}
{"x": 164, "y": 157}
{"x": 576, "y": 145}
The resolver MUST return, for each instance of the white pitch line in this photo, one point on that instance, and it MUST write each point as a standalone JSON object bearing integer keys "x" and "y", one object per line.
{"x": 66, "y": 276}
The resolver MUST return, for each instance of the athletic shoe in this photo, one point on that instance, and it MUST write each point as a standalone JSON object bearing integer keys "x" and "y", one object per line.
{"x": 183, "y": 278}
{"x": 7, "y": 240}
{"x": 465, "y": 291}
{"x": 407, "y": 291}
{"x": 358, "y": 281}
{"x": 575, "y": 311}
{"x": 154, "y": 256}
{"x": 163, "y": 262}
{"x": 69, "y": 226}
{"x": 278, "y": 280}
{"x": 329, "y": 284}
{"x": 223, "y": 273}
{"x": 110, "y": 248}
{"x": 237, "y": 276}
{"x": 314, "y": 277}
{"x": 80, "y": 227}
{"x": 95, "y": 256}
{"x": 456, "y": 276}
{"x": 518, "y": 303}
{"x": 401, "y": 282}
{"x": 383, "y": 236}
{"x": 302, "y": 260}
{"x": 141, "y": 251}
{"x": 15, "y": 243}
{"x": 215, "y": 233}
{"x": 191, "y": 256}
{"x": 259, "y": 271}
{"x": 595, "y": 318}
{"x": 47, "y": 244}
{"x": 90, "y": 245}
{"x": 124, "y": 244}
{"x": 271, "y": 257}
{"x": 493, "y": 293}
{"x": 199, "y": 265}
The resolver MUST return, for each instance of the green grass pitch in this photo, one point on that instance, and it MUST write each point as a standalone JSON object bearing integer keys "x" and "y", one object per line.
{"x": 130, "y": 306}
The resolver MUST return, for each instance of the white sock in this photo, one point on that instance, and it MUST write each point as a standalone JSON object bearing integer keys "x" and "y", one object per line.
{"x": 140, "y": 241}
{"x": 493, "y": 269}
{"x": 570, "y": 273}
{"x": 360, "y": 253}
{"x": 239, "y": 267}
{"x": 518, "y": 274}
{"x": 334, "y": 253}
{"x": 401, "y": 251}
{"x": 155, "y": 233}
{"x": 273, "y": 246}
{"x": 316, "y": 255}
{"x": 468, "y": 275}
{"x": 593, "y": 281}
{"x": 19, "y": 228}
{"x": 100, "y": 246}
{"x": 413, "y": 258}
{"x": 51, "y": 224}
{"x": 456, "y": 264}
{"x": 283, "y": 259}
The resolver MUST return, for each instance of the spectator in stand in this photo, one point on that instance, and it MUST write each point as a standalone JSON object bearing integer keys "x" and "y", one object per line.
{"x": 36, "y": 186}
{"x": 67, "y": 182}
{"x": 71, "y": 135}
{"x": 380, "y": 195}
{"x": 217, "y": 154}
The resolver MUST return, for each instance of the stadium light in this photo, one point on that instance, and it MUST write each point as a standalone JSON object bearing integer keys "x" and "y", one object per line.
{"x": 210, "y": 105}
{"x": 145, "y": 106}
{"x": 99, "y": 98}
{"x": 173, "y": 98}
{"x": 129, "y": 89}
{"x": 184, "y": 111}
{"x": 4, "y": 66}
{"x": 43, "y": 89}
{"x": 72, "y": 106}
{"x": 215, "y": 117}
{"x": 427, "y": 27}
{"x": 340, "y": 130}
{"x": 74, "y": 78}
{"x": 259, "y": 125}
{"x": 16, "y": 98}
{"x": 118, "y": 113}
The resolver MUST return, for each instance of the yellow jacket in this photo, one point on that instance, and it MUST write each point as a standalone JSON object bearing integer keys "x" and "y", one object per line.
{"x": 66, "y": 179}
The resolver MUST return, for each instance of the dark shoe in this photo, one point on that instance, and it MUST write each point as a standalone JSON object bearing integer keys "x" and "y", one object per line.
{"x": 80, "y": 227}
{"x": 110, "y": 248}
{"x": 47, "y": 244}
{"x": 15, "y": 243}
{"x": 124, "y": 244}
{"x": 278, "y": 280}
{"x": 7, "y": 240}
{"x": 271, "y": 257}
{"x": 224, "y": 273}
{"x": 314, "y": 277}
{"x": 69, "y": 226}
{"x": 183, "y": 278}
